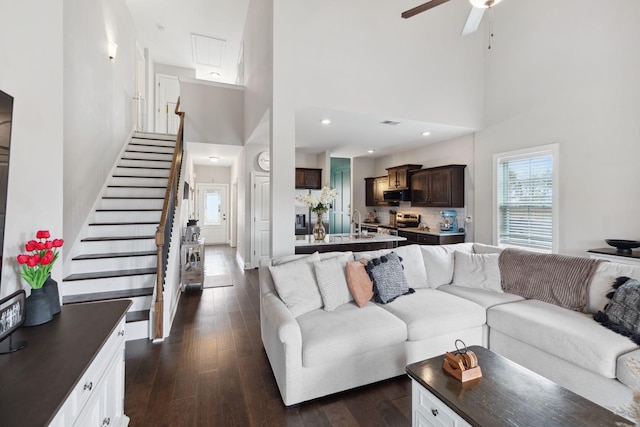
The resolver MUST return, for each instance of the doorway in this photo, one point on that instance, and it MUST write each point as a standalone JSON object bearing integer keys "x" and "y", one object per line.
{"x": 212, "y": 206}
{"x": 168, "y": 91}
{"x": 340, "y": 215}
{"x": 261, "y": 224}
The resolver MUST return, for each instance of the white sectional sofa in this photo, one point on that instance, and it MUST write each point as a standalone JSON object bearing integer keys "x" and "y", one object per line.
{"x": 314, "y": 352}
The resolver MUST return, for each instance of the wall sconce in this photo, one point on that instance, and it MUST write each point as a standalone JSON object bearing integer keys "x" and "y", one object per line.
{"x": 112, "y": 50}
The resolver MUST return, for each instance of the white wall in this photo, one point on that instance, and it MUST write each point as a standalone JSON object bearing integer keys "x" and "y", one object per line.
{"x": 212, "y": 174}
{"x": 567, "y": 72}
{"x": 98, "y": 100}
{"x": 172, "y": 70}
{"x": 214, "y": 112}
{"x": 35, "y": 196}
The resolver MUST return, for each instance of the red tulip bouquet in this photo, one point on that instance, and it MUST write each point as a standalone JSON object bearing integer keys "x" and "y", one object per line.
{"x": 37, "y": 265}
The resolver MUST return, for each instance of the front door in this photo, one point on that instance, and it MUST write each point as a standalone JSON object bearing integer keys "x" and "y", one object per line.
{"x": 261, "y": 240}
{"x": 213, "y": 212}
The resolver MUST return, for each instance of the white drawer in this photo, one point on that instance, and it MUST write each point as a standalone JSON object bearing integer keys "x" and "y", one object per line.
{"x": 88, "y": 383}
{"x": 429, "y": 410}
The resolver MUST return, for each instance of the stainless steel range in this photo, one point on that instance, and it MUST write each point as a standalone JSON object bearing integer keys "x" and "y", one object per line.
{"x": 407, "y": 220}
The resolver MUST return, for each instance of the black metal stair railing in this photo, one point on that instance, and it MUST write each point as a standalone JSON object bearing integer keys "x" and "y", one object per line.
{"x": 163, "y": 233}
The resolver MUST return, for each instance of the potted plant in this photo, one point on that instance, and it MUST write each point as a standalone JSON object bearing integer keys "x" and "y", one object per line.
{"x": 44, "y": 300}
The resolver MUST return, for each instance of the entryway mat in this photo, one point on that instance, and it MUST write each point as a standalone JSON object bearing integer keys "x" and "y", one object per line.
{"x": 218, "y": 281}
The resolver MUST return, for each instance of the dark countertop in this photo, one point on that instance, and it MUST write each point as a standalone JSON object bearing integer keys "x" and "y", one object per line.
{"x": 614, "y": 252}
{"x": 37, "y": 380}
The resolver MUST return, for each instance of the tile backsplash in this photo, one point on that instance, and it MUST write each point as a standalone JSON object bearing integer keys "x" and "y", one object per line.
{"x": 428, "y": 216}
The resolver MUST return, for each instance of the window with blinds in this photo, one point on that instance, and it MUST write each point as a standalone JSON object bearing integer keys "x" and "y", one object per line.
{"x": 525, "y": 197}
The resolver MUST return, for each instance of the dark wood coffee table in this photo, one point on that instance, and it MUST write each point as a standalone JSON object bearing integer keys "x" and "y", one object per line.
{"x": 506, "y": 395}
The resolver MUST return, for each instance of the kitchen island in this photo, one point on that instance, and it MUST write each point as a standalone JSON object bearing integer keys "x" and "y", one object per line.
{"x": 426, "y": 237}
{"x": 346, "y": 242}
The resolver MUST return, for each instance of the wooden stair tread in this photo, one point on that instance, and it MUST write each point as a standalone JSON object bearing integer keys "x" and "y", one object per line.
{"x": 114, "y": 255}
{"x": 105, "y": 296}
{"x": 137, "y": 316}
{"x": 110, "y": 274}
{"x": 140, "y": 176}
{"x": 109, "y": 238}
{"x": 142, "y": 144}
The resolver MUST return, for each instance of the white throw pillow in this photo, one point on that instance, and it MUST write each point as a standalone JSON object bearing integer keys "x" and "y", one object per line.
{"x": 332, "y": 281}
{"x": 296, "y": 284}
{"x": 413, "y": 264}
{"x": 438, "y": 262}
{"x": 477, "y": 271}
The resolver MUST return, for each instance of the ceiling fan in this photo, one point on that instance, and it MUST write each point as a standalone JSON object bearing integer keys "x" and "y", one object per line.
{"x": 473, "y": 20}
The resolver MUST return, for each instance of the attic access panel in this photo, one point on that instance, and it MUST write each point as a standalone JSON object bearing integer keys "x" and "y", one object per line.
{"x": 207, "y": 51}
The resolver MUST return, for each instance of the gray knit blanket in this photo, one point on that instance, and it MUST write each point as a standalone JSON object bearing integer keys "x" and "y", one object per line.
{"x": 557, "y": 279}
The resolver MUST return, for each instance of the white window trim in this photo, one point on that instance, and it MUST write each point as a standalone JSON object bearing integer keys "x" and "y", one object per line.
{"x": 553, "y": 150}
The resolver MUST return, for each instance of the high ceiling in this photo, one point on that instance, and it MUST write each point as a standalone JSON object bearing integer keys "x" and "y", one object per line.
{"x": 167, "y": 29}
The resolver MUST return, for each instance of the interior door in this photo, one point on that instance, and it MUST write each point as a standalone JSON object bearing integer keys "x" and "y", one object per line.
{"x": 213, "y": 201}
{"x": 168, "y": 91}
{"x": 261, "y": 241}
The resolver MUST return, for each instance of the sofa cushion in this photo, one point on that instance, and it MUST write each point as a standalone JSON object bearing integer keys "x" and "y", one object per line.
{"x": 347, "y": 331}
{"x": 388, "y": 278}
{"x": 481, "y": 248}
{"x": 628, "y": 369}
{"x": 359, "y": 282}
{"x": 412, "y": 262}
{"x": 295, "y": 282}
{"x": 438, "y": 262}
{"x": 603, "y": 278}
{"x": 481, "y": 297}
{"x": 430, "y": 313}
{"x": 568, "y": 335}
{"x": 476, "y": 271}
{"x": 332, "y": 281}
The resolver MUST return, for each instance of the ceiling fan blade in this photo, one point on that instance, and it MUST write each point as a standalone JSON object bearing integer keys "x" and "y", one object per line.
{"x": 473, "y": 21}
{"x": 419, "y": 9}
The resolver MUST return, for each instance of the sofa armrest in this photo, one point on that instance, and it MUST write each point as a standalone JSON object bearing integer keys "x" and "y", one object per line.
{"x": 276, "y": 317}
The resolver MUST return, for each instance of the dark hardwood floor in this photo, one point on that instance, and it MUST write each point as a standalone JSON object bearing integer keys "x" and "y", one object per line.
{"x": 213, "y": 371}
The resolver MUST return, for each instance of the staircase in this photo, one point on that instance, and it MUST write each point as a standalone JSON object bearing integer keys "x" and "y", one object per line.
{"x": 117, "y": 254}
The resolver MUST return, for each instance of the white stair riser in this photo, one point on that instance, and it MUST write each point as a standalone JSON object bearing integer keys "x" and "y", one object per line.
{"x": 157, "y": 138}
{"x": 148, "y": 156}
{"x": 143, "y": 147}
{"x": 144, "y": 164}
{"x": 139, "y": 181}
{"x": 78, "y": 287}
{"x": 134, "y": 192}
{"x": 131, "y": 203}
{"x": 136, "y": 330}
{"x": 128, "y": 216}
{"x": 122, "y": 230}
{"x": 160, "y": 173}
{"x": 117, "y": 246}
{"x": 113, "y": 264}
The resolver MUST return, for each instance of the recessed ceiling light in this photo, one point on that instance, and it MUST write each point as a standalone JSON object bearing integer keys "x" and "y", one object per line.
{"x": 371, "y": 151}
{"x": 325, "y": 121}
{"x": 426, "y": 133}
{"x": 214, "y": 158}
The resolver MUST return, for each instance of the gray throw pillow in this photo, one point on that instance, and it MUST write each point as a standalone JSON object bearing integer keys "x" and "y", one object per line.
{"x": 622, "y": 314}
{"x": 388, "y": 278}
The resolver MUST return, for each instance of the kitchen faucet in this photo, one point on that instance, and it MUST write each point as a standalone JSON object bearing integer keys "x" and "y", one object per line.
{"x": 359, "y": 223}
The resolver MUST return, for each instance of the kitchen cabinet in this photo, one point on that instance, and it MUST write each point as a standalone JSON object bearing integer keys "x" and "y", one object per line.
{"x": 307, "y": 178}
{"x": 422, "y": 238}
{"x": 374, "y": 191}
{"x": 398, "y": 176}
{"x": 441, "y": 187}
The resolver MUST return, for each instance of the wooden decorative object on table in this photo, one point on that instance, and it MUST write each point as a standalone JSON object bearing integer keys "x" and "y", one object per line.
{"x": 463, "y": 364}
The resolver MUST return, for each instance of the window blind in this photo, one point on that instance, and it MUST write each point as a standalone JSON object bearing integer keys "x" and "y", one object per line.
{"x": 525, "y": 201}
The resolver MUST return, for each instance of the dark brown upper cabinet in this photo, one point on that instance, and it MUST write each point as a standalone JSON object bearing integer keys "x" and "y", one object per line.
{"x": 441, "y": 187}
{"x": 374, "y": 191}
{"x": 399, "y": 176}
